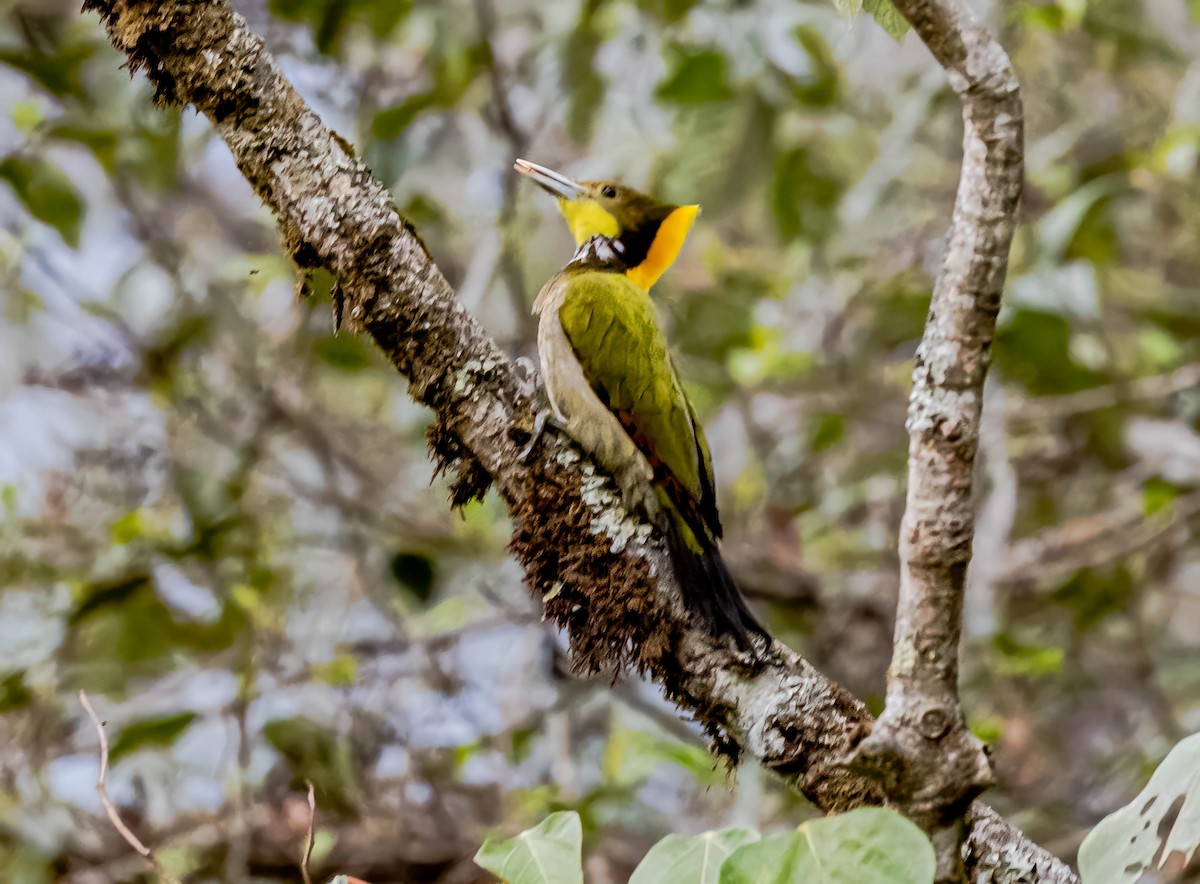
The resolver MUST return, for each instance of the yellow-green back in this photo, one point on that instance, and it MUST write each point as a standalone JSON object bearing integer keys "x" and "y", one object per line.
{"x": 611, "y": 324}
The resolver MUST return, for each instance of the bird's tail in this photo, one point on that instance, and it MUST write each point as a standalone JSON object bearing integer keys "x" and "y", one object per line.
{"x": 706, "y": 582}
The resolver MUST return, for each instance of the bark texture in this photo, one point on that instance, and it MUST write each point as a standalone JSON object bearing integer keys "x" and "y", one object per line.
{"x": 603, "y": 574}
{"x": 933, "y": 765}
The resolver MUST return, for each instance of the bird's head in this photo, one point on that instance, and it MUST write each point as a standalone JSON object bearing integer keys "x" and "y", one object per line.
{"x": 647, "y": 234}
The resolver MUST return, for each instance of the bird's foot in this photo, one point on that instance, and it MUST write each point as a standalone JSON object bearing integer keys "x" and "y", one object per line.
{"x": 531, "y": 385}
{"x": 527, "y": 377}
{"x": 540, "y": 420}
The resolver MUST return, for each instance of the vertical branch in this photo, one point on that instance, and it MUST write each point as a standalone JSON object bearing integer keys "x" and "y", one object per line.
{"x": 921, "y": 746}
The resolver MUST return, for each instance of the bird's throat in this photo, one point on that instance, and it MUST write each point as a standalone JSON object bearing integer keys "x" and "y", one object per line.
{"x": 587, "y": 219}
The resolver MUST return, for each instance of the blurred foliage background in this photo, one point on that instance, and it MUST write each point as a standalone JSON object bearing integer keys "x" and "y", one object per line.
{"x": 219, "y": 519}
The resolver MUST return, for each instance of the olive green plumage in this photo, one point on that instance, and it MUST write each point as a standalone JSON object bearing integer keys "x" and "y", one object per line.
{"x": 612, "y": 384}
{"x": 611, "y": 325}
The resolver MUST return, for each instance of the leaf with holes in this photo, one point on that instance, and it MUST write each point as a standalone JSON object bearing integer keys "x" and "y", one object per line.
{"x": 1125, "y": 844}
{"x": 549, "y": 853}
{"x": 695, "y": 859}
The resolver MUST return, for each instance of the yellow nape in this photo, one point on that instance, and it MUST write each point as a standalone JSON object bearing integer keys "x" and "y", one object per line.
{"x": 666, "y": 246}
{"x": 587, "y": 218}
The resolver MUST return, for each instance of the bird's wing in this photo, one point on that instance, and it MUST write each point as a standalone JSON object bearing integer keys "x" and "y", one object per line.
{"x": 611, "y": 325}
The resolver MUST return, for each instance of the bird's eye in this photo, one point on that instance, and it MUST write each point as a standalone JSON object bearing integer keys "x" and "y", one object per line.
{"x": 608, "y": 191}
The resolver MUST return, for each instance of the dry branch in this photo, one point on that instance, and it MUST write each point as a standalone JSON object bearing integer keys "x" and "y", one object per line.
{"x": 607, "y": 574}
{"x": 306, "y": 852}
{"x": 102, "y": 789}
{"x": 1047, "y": 559}
{"x": 1153, "y": 387}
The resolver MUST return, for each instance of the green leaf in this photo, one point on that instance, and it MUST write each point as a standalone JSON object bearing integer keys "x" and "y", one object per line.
{"x": 549, "y": 853}
{"x": 178, "y": 863}
{"x": 23, "y": 863}
{"x": 14, "y": 693}
{"x": 871, "y": 845}
{"x": 453, "y": 68}
{"x": 329, "y": 19}
{"x": 27, "y": 116}
{"x": 58, "y": 65}
{"x": 667, "y": 11}
{"x": 128, "y": 528}
{"x": 1157, "y": 495}
{"x": 888, "y": 18}
{"x": 821, "y": 86}
{"x": 1160, "y": 348}
{"x": 807, "y": 191}
{"x": 632, "y": 755}
{"x": 884, "y": 13}
{"x": 712, "y": 323}
{"x": 161, "y": 731}
{"x": 121, "y": 629}
{"x": 1123, "y": 846}
{"x": 314, "y": 752}
{"x": 340, "y": 671}
{"x": 116, "y": 593}
{"x": 391, "y": 122}
{"x": 384, "y": 18}
{"x": 696, "y": 78}
{"x": 1033, "y": 347}
{"x": 775, "y": 860}
{"x": 695, "y": 859}
{"x": 1060, "y": 227}
{"x": 152, "y": 149}
{"x": 1019, "y": 658}
{"x": 47, "y": 193}
{"x": 100, "y": 140}
{"x": 348, "y": 353}
{"x": 1073, "y": 12}
{"x": 825, "y": 430}
{"x": 1092, "y": 594}
{"x": 1046, "y": 18}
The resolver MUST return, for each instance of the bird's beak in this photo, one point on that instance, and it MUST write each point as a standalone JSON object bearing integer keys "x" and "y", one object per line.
{"x": 550, "y": 181}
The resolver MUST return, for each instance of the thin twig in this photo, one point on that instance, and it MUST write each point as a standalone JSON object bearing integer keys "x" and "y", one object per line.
{"x": 308, "y": 839}
{"x": 1046, "y": 559}
{"x": 1158, "y": 386}
{"x": 101, "y": 790}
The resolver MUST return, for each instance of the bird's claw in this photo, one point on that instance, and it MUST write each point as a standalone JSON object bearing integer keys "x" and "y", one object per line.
{"x": 528, "y": 376}
{"x": 539, "y": 428}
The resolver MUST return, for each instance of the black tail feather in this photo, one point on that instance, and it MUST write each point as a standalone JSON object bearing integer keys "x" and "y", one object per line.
{"x": 707, "y": 584}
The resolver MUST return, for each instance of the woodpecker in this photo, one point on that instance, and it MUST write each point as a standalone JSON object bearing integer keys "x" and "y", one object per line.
{"x": 613, "y": 386}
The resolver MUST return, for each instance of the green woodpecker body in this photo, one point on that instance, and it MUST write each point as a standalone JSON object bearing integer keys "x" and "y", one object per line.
{"x": 612, "y": 384}
{"x": 613, "y": 388}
